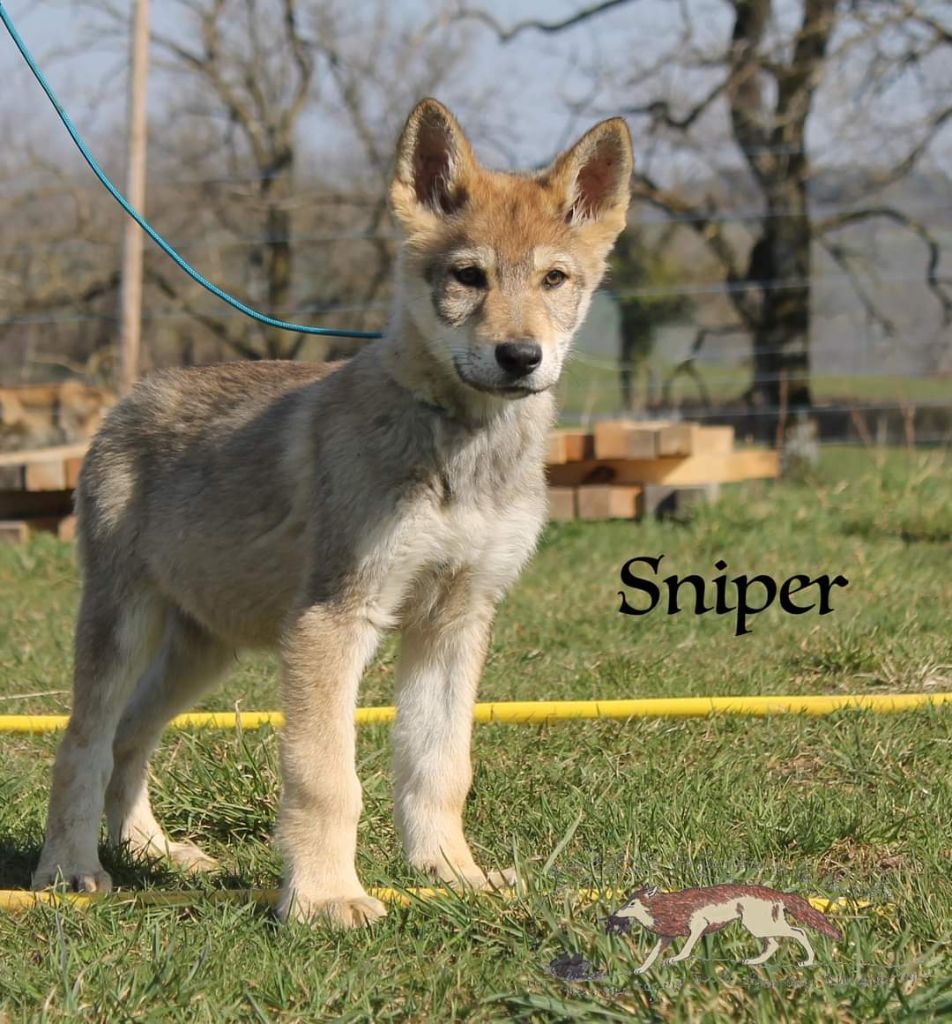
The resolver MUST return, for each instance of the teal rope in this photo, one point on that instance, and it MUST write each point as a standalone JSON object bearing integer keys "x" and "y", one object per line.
{"x": 271, "y": 321}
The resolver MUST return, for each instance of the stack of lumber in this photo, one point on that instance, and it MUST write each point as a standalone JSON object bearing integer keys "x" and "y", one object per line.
{"x": 621, "y": 470}
{"x": 36, "y": 491}
{"x": 626, "y": 468}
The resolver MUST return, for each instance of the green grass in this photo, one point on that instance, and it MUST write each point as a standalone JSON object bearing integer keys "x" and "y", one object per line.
{"x": 590, "y": 386}
{"x": 854, "y": 804}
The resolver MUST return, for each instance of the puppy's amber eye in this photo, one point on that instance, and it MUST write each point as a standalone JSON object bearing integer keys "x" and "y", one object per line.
{"x": 554, "y": 278}
{"x": 471, "y": 277}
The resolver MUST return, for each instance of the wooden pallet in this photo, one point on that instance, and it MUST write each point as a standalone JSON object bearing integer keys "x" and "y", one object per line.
{"x": 626, "y": 468}
{"x": 44, "y": 469}
{"x": 36, "y": 491}
{"x": 620, "y": 470}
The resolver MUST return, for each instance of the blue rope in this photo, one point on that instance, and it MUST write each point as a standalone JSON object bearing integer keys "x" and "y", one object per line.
{"x": 144, "y": 224}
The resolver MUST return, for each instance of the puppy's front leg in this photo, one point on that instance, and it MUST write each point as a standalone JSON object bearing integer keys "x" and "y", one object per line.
{"x": 325, "y": 653}
{"x": 441, "y": 659}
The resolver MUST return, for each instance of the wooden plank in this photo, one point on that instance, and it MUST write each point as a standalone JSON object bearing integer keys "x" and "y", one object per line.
{"x": 47, "y": 475}
{"x": 64, "y": 527}
{"x": 677, "y": 439}
{"x": 714, "y": 441}
{"x": 11, "y": 478}
{"x": 608, "y": 501}
{"x": 20, "y": 504}
{"x": 59, "y": 453}
{"x": 66, "y": 530}
{"x": 73, "y": 466}
{"x": 681, "y": 439}
{"x": 562, "y": 503}
{"x": 569, "y": 446}
{"x": 13, "y": 531}
{"x": 751, "y": 464}
{"x": 627, "y": 439}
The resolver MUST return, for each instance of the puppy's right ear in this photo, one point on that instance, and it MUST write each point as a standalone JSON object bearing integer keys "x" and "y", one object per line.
{"x": 435, "y": 164}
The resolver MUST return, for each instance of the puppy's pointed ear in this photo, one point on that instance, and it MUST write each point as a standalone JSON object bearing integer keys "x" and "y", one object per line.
{"x": 435, "y": 164}
{"x": 592, "y": 179}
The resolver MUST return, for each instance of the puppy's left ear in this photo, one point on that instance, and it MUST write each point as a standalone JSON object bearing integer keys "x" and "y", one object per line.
{"x": 592, "y": 178}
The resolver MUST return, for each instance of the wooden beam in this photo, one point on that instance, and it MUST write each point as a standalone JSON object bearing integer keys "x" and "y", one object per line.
{"x": 73, "y": 466}
{"x": 570, "y": 446}
{"x": 45, "y": 476}
{"x": 58, "y": 453}
{"x": 694, "y": 439}
{"x": 42, "y": 469}
{"x": 627, "y": 439}
{"x": 751, "y": 464}
{"x": 20, "y": 504}
{"x": 563, "y": 504}
{"x": 13, "y": 531}
{"x": 608, "y": 501}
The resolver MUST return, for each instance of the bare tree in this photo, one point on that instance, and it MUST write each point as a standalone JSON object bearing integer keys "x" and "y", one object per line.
{"x": 54, "y": 284}
{"x": 753, "y": 79}
{"x": 268, "y": 168}
{"x": 253, "y": 76}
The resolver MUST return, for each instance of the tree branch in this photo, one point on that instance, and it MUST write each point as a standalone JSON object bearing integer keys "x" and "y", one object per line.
{"x": 507, "y": 34}
{"x": 851, "y": 217}
{"x": 660, "y": 110}
{"x": 711, "y": 232}
{"x": 840, "y": 255}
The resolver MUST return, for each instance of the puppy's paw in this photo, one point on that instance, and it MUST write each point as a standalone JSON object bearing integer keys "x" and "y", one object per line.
{"x": 91, "y": 878}
{"x": 481, "y": 881}
{"x": 191, "y": 858}
{"x": 344, "y": 912}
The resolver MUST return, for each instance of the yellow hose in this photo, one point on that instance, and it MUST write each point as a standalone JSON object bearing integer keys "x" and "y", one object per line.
{"x": 536, "y": 712}
{"x": 23, "y": 899}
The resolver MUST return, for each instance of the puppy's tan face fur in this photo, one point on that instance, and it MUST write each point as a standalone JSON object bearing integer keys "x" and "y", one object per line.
{"x": 492, "y": 258}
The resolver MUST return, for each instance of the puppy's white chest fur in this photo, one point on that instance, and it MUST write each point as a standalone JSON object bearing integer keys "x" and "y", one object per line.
{"x": 434, "y": 541}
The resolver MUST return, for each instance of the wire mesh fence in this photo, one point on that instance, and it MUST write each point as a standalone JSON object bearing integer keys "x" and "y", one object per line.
{"x": 872, "y": 381}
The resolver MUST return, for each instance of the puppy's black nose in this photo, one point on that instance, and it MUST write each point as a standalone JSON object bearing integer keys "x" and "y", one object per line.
{"x": 519, "y": 358}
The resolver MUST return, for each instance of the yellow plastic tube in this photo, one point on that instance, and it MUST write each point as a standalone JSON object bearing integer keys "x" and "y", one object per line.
{"x": 12, "y": 900}
{"x": 536, "y": 712}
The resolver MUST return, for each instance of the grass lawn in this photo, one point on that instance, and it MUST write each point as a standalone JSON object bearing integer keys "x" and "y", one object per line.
{"x": 855, "y": 804}
{"x": 590, "y": 387}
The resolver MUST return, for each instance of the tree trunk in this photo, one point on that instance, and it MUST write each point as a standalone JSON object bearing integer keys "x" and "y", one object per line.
{"x": 780, "y": 264}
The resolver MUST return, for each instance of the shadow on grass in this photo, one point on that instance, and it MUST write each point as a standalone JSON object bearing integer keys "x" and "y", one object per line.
{"x": 18, "y": 859}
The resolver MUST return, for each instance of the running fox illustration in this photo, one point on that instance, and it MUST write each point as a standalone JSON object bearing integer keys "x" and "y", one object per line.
{"x": 693, "y": 913}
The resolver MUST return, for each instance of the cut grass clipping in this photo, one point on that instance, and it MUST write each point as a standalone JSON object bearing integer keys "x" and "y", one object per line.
{"x": 852, "y": 805}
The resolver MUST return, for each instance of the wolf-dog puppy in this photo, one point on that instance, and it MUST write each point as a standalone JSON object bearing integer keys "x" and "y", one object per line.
{"x": 312, "y": 507}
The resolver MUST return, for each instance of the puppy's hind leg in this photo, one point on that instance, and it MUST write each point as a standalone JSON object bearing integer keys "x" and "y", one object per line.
{"x": 188, "y": 663}
{"x": 117, "y": 632}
